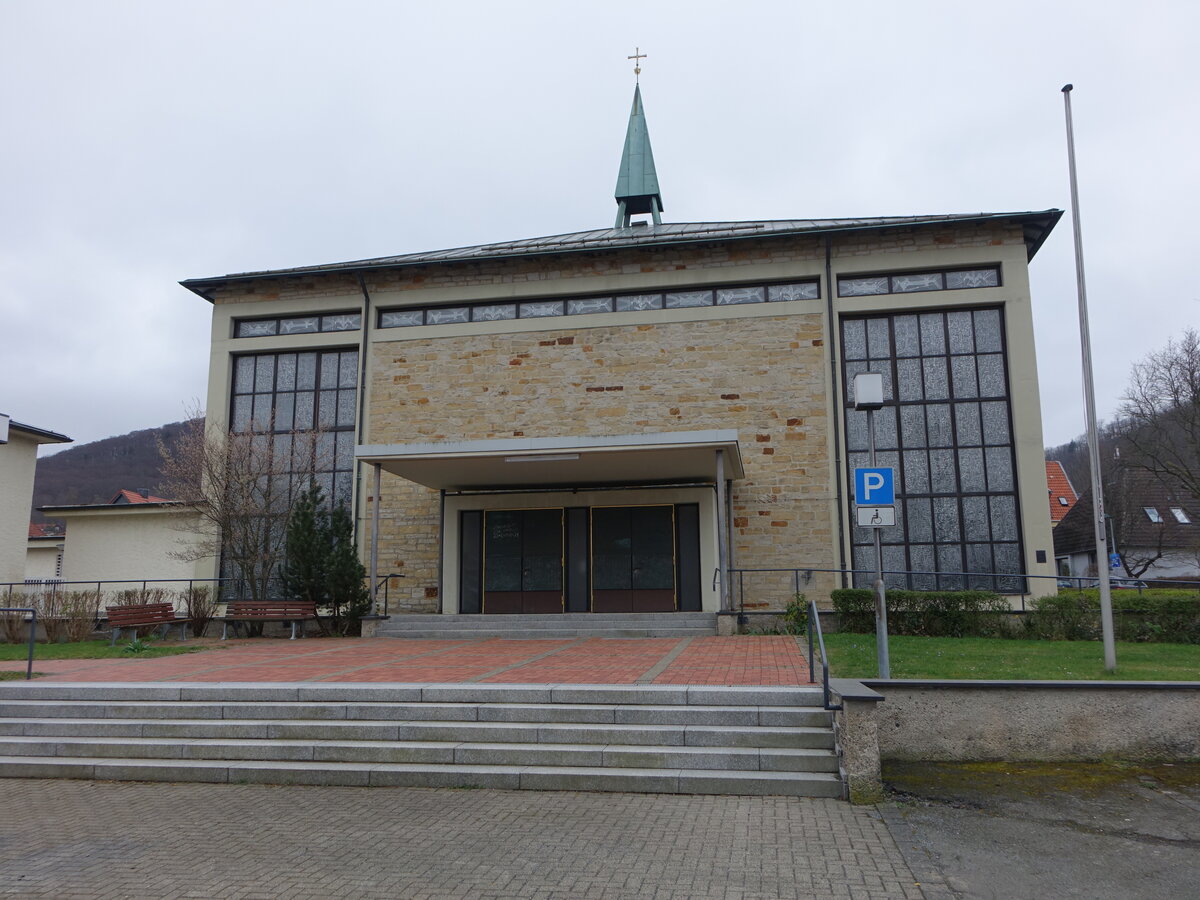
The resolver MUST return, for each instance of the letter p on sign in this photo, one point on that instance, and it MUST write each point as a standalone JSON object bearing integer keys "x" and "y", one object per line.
{"x": 874, "y": 487}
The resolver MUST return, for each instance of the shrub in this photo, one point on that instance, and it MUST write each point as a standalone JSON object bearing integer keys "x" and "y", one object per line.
{"x": 49, "y": 605}
{"x": 924, "y": 613}
{"x": 795, "y": 616}
{"x": 12, "y": 626}
{"x": 80, "y": 609}
{"x": 141, "y": 596}
{"x": 200, "y": 605}
{"x": 1168, "y": 616}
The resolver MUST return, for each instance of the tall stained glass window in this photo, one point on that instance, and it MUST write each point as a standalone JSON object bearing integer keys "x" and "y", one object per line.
{"x": 945, "y": 428}
{"x": 305, "y": 404}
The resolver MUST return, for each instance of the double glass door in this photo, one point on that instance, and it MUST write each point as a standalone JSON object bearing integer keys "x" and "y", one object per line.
{"x": 603, "y": 559}
{"x": 523, "y": 561}
{"x": 633, "y": 559}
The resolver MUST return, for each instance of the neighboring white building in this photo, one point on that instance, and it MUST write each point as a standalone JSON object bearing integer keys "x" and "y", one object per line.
{"x": 44, "y": 553}
{"x": 18, "y": 461}
{"x": 134, "y": 538}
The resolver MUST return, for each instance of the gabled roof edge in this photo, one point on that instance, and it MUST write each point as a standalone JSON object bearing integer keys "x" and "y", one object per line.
{"x": 1035, "y": 231}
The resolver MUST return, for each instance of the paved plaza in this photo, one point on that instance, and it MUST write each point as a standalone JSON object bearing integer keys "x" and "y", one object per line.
{"x": 71, "y": 840}
{"x": 742, "y": 660}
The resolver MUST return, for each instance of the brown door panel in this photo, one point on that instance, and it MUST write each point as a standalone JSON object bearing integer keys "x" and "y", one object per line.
{"x": 615, "y": 601}
{"x": 653, "y": 601}
{"x": 503, "y": 602}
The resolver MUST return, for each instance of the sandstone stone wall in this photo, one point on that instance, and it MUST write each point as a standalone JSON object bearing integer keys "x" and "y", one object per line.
{"x": 764, "y": 377}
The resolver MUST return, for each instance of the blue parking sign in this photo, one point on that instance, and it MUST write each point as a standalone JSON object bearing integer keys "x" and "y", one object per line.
{"x": 875, "y": 487}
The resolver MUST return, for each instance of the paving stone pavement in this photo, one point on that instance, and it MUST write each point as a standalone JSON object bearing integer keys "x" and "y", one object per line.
{"x": 82, "y": 839}
{"x": 746, "y": 659}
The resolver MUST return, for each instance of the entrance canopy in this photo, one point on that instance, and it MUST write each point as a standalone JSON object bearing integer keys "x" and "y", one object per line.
{"x": 624, "y": 459}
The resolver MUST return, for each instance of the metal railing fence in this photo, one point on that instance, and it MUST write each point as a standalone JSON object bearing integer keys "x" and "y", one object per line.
{"x": 32, "y": 612}
{"x": 224, "y": 589}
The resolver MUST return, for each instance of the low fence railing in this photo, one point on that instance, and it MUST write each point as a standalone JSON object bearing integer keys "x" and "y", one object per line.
{"x": 32, "y": 613}
{"x": 224, "y": 589}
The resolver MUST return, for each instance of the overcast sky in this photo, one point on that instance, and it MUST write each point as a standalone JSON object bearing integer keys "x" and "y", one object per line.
{"x": 146, "y": 142}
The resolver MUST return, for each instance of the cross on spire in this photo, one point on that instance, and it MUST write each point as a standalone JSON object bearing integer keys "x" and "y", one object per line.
{"x": 637, "y": 58}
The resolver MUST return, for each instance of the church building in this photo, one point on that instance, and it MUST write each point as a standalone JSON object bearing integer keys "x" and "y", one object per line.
{"x": 658, "y": 416}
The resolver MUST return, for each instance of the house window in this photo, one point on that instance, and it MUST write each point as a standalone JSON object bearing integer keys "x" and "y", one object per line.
{"x": 1153, "y": 514}
{"x": 945, "y": 428}
{"x": 1180, "y": 516}
{"x": 1062, "y": 501}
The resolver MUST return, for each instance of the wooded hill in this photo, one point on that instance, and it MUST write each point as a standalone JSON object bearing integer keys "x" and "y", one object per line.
{"x": 92, "y": 473}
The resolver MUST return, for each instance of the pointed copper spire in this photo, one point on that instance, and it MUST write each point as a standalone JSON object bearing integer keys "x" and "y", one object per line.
{"x": 637, "y": 182}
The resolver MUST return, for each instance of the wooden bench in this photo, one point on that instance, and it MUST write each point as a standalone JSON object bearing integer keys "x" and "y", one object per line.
{"x": 140, "y": 615}
{"x": 293, "y": 612}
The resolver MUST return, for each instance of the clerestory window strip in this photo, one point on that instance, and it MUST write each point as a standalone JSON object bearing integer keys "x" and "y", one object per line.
{"x": 466, "y": 313}
{"x": 288, "y": 325}
{"x": 912, "y": 282}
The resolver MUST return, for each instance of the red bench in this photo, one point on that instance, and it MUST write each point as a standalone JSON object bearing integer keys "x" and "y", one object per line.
{"x": 293, "y": 612}
{"x": 139, "y": 615}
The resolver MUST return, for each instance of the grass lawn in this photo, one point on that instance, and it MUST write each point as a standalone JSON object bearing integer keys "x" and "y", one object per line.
{"x": 853, "y": 656}
{"x": 95, "y": 650}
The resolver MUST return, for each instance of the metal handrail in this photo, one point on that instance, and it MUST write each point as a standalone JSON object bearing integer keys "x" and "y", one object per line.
{"x": 814, "y": 625}
{"x": 383, "y": 579}
{"x": 32, "y": 633}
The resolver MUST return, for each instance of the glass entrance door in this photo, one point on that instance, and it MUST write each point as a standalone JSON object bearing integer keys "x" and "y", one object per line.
{"x": 633, "y": 559}
{"x": 523, "y": 561}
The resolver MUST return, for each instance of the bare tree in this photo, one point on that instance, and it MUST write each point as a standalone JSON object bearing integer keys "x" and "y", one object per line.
{"x": 1160, "y": 414}
{"x": 242, "y": 487}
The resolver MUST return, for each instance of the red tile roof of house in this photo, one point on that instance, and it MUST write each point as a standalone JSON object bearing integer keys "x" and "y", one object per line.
{"x": 1060, "y": 490}
{"x": 124, "y": 496}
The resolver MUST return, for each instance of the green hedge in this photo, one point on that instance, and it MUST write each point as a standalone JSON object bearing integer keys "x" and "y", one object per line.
{"x": 1168, "y": 616}
{"x": 924, "y": 613}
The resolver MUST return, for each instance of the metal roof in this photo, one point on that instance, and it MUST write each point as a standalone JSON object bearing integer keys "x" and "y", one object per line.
{"x": 1036, "y": 224}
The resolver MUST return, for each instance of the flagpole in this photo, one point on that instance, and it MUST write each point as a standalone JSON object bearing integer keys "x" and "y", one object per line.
{"x": 1089, "y": 401}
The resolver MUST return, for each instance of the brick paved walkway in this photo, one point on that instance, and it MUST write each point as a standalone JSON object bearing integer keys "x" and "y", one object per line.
{"x": 77, "y": 840}
{"x": 744, "y": 660}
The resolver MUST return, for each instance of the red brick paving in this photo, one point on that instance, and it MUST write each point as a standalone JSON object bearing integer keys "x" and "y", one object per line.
{"x": 607, "y": 660}
{"x": 761, "y": 659}
{"x": 745, "y": 660}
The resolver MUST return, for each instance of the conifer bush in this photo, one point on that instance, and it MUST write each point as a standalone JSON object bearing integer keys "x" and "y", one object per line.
{"x": 322, "y": 565}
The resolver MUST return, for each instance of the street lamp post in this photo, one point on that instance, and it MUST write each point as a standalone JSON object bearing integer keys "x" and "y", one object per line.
{"x": 868, "y": 396}
{"x": 1089, "y": 402}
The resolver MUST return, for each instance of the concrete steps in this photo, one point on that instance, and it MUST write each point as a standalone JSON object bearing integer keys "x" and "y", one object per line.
{"x": 657, "y": 738}
{"x": 556, "y": 626}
